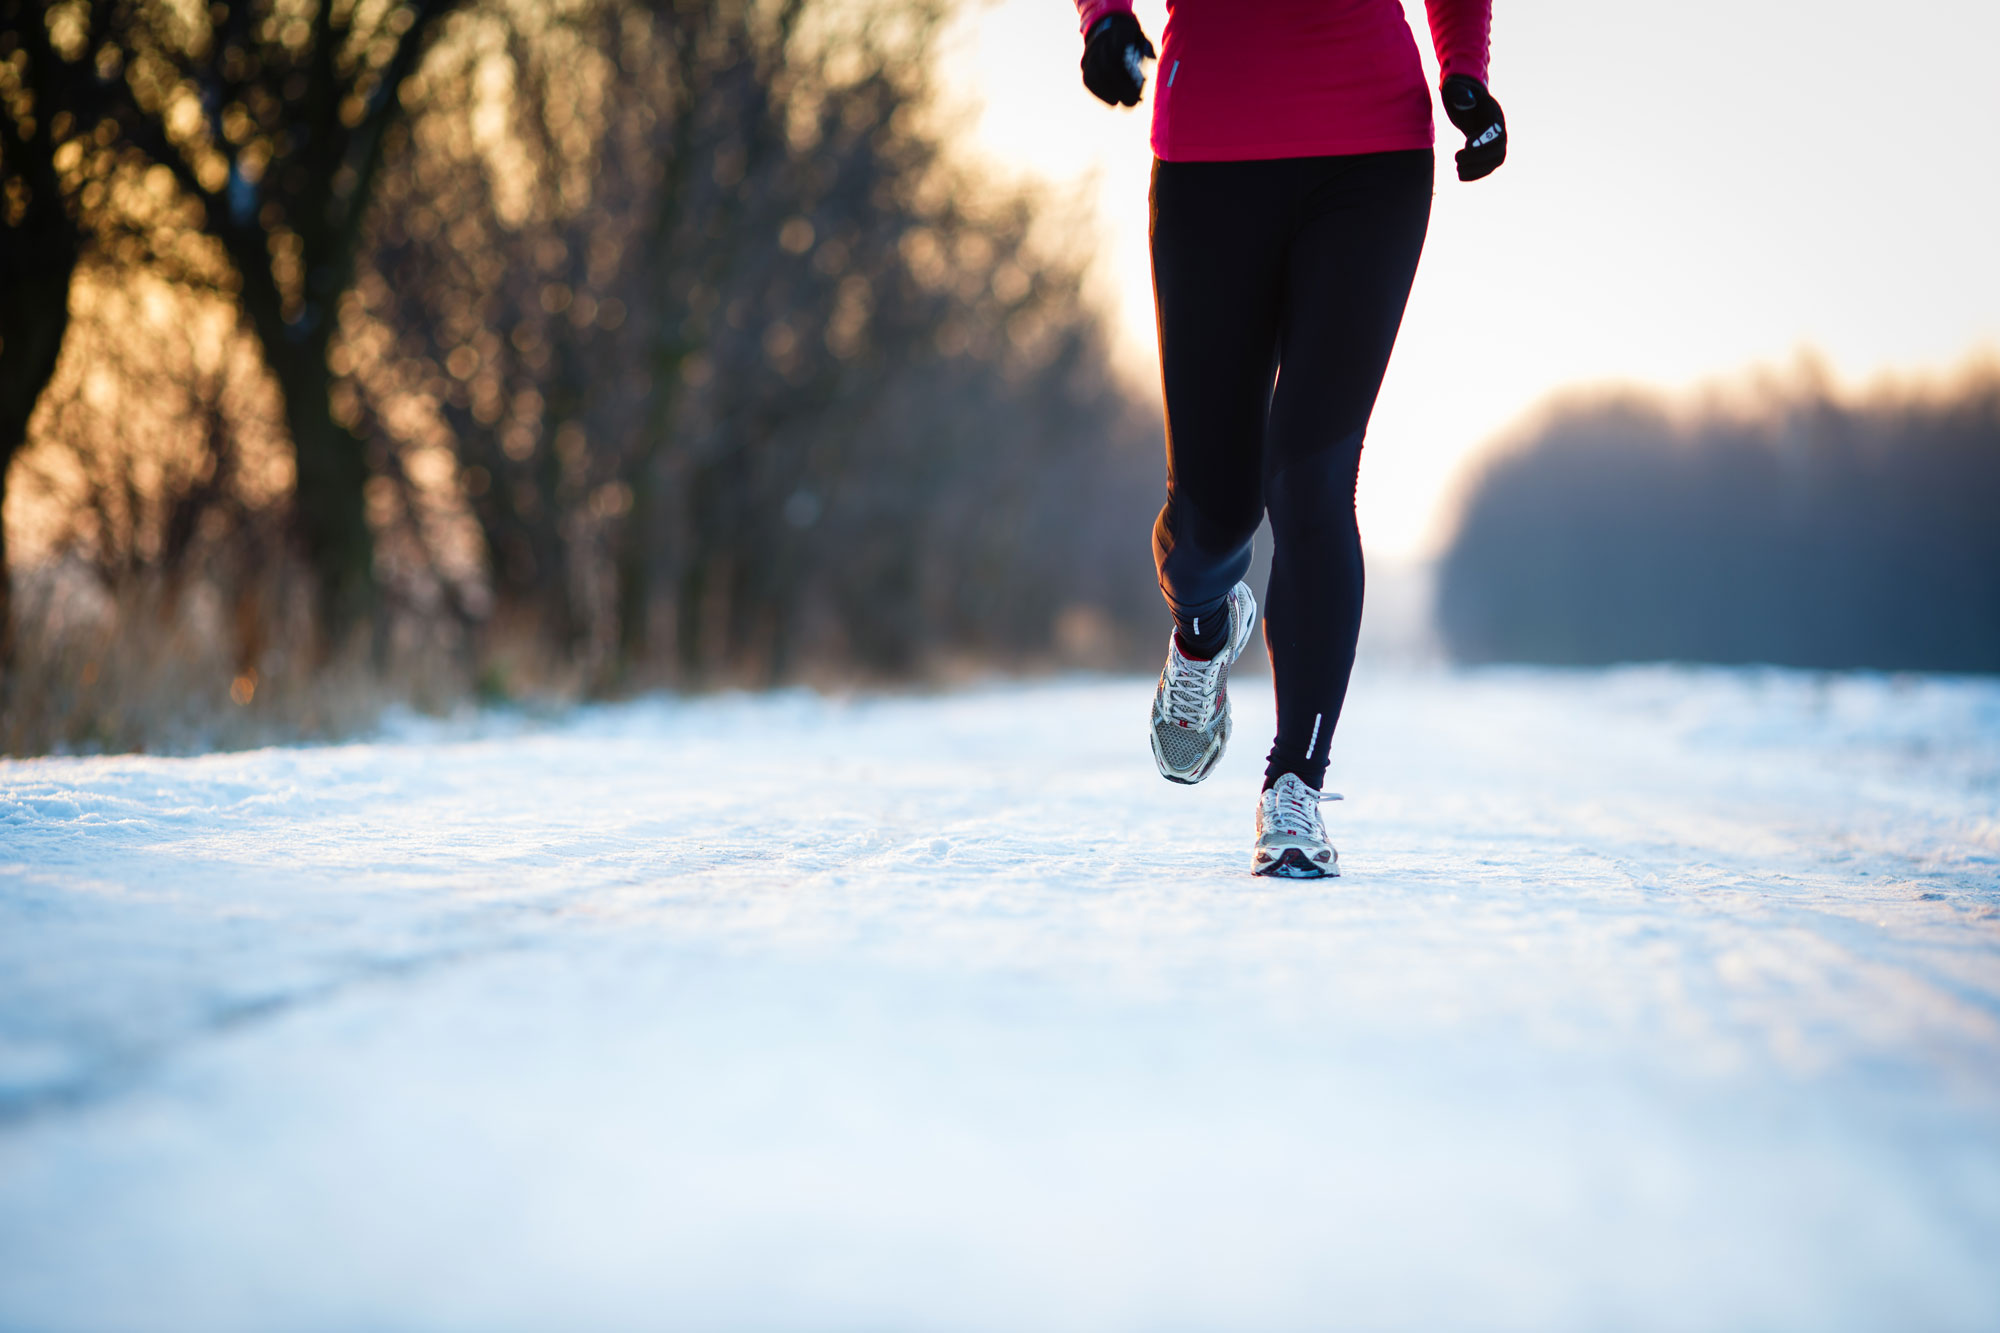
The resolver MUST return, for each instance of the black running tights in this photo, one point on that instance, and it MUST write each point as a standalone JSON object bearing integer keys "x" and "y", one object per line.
{"x": 1293, "y": 272}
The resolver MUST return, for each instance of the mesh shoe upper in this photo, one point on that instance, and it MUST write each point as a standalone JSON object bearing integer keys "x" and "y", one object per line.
{"x": 1291, "y": 837}
{"x": 1191, "y": 704}
{"x": 1182, "y": 745}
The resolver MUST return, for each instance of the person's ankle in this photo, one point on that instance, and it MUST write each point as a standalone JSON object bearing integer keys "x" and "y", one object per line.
{"x": 1195, "y": 652}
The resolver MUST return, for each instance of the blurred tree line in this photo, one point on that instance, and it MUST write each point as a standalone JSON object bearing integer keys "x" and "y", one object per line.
{"x": 1789, "y": 527}
{"x": 590, "y": 342}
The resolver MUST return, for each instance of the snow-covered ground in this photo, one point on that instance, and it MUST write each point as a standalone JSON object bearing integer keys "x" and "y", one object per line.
{"x": 1651, "y": 999}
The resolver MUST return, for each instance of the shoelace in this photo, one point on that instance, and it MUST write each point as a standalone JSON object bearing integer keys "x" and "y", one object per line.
{"x": 1191, "y": 686}
{"x": 1296, "y": 803}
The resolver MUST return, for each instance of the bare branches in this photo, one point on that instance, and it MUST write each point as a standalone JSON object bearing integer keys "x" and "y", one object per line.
{"x": 655, "y": 335}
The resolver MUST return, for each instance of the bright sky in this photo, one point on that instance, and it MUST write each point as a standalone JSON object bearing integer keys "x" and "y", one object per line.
{"x": 1690, "y": 190}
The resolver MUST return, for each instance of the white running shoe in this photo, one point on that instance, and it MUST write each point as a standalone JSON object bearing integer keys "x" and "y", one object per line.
{"x": 1191, "y": 705}
{"x": 1291, "y": 840}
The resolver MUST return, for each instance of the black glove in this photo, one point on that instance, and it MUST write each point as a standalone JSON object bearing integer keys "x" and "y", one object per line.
{"x": 1478, "y": 116}
{"x": 1111, "y": 56}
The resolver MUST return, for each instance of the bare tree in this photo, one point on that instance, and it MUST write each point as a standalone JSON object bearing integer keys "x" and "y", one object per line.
{"x": 718, "y": 333}
{"x": 640, "y": 340}
{"x": 272, "y": 114}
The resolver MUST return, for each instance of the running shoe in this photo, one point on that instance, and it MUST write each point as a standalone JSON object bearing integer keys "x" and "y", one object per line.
{"x": 1191, "y": 705}
{"x": 1291, "y": 839}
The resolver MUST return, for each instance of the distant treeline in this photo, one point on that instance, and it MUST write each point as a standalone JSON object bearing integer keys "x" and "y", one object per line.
{"x": 1785, "y": 524}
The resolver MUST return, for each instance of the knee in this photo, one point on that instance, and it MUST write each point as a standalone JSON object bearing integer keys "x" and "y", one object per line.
{"x": 1197, "y": 558}
{"x": 1315, "y": 490}
{"x": 1185, "y": 530}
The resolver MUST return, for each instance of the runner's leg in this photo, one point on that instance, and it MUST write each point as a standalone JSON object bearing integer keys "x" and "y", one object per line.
{"x": 1218, "y": 240}
{"x": 1351, "y": 261}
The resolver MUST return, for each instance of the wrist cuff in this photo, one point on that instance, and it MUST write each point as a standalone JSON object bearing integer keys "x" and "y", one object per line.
{"x": 1090, "y": 12}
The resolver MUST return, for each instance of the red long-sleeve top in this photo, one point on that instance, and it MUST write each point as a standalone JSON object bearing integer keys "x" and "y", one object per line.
{"x": 1240, "y": 79}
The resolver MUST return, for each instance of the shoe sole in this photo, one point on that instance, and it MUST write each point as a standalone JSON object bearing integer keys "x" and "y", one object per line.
{"x": 1293, "y": 864}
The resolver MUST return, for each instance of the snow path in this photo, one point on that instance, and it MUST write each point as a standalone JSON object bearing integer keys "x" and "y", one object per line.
{"x": 1650, "y": 999}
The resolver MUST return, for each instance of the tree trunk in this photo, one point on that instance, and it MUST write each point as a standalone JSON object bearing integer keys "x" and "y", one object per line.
{"x": 37, "y": 260}
{"x": 640, "y": 533}
{"x": 329, "y": 505}
{"x": 6, "y": 600}
{"x": 634, "y": 555}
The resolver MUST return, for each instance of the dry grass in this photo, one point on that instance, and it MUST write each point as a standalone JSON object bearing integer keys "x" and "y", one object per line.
{"x": 148, "y": 668}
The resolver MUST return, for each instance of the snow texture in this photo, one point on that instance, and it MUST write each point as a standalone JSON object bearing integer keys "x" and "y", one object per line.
{"x": 1651, "y": 999}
